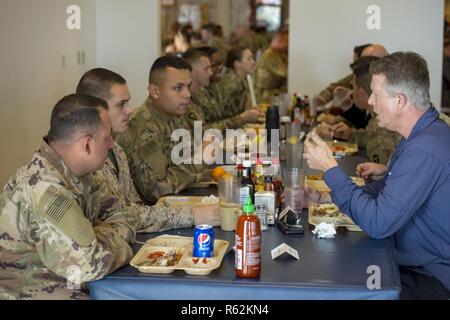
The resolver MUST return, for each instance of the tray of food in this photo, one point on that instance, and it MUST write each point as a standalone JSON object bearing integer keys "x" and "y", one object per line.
{"x": 329, "y": 213}
{"x": 165, "y": 254}
{"x": 187, "y": 201}
{"x": 318, "y": 183}
{"x": 343, "y": 148}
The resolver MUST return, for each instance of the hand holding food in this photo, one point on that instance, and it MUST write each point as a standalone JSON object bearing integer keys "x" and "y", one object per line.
{"x": 317, "y": 153}
{"x": 343, "y": 131}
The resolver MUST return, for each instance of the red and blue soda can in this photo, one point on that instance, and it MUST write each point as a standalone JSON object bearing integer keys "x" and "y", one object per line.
{"x": 203, "y": 241}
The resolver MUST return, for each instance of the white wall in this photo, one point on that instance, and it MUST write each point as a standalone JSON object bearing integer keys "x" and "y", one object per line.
{"x": 128, "y": 41}
{"x": 34, "y": 38}
{"x": 323, "y": 34}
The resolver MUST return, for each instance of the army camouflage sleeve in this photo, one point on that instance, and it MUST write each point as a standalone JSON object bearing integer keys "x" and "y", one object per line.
{"x": 153, "y": 179}
{"x": 278, "y": 66}
{"x": 359, "y": 137}
{"x": 380, "y": 147}
{"x": 327, "y": 93}
{"x": 65, "y": 238}
{"x": 161, "y": 218}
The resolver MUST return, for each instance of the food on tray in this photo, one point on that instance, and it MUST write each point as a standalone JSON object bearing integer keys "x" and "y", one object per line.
{"x": 323, "y": 210}
{"x": 162, "y": 259}
{"x": 336, "y": 148}
{"x": 315, "y": 178}
{"x": 199, "y": 261}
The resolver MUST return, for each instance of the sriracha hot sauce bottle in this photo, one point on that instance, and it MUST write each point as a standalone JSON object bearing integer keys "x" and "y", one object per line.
{"x": 248, "y": 243}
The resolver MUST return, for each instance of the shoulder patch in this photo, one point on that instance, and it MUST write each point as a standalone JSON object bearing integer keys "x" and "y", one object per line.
{"x": 63, "y": 213}
{"x": 59, "y": 207}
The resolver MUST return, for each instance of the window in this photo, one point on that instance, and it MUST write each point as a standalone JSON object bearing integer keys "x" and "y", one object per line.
{"x": 269, "y": 13}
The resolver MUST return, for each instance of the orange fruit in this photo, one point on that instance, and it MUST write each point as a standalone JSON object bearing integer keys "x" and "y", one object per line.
{"x": 218, "y": 172}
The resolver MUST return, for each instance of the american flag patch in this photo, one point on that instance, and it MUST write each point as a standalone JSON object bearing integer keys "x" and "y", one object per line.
{"x": 58, "y": 208}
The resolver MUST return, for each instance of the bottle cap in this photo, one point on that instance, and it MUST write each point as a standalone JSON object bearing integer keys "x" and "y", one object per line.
{"x": 248, "y": 208}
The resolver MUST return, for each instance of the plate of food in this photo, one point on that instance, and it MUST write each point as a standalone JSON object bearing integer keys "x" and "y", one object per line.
{"x": 165, "y": 254}
{"x": 317, "y": 182}
{"x": 330, "y": 213}
{"x": 343, "y": 148}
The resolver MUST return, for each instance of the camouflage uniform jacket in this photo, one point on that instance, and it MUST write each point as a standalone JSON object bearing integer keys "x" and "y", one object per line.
{"x": 379, "y": 142}
{"x": 230, "y": 97}
{"x": 205, "y": 108}
{"x": 156, "y": 218}
{"x": 271, "y": 73}
{"x": 55, "y": 235}
{"x": 327, "y": 94}
{"x": 148, "y": 146}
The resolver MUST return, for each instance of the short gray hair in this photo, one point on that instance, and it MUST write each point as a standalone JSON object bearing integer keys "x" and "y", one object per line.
{"x": 406, "y": 73}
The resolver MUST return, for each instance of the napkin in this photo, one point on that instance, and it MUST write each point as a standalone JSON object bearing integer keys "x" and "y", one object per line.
{"x": 325, "y": 230}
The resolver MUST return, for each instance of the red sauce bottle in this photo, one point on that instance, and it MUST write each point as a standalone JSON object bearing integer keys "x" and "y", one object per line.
{"x": 248, "y": 243}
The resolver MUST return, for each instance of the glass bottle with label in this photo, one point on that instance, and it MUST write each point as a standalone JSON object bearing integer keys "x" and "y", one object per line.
{"x": 247, "y": 186}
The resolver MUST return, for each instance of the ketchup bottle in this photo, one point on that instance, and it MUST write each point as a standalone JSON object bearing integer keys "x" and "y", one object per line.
{"x": 248, "y": 243}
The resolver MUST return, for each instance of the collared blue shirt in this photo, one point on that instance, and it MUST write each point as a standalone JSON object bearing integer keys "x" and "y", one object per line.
{"x": 412, "y": 203}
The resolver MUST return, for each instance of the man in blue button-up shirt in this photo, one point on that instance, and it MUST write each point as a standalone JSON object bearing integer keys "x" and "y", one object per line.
{"x": 411, "y": 203}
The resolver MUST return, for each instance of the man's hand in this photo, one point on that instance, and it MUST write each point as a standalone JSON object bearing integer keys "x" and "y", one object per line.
{"x": 325, "y": 130}
{"x": 318, "y": 154}
{"x": 371, "y": 171}
{"x": 343, "y": 131}
{"x": 251, "y": 116}
{"x": 206, "y": 215}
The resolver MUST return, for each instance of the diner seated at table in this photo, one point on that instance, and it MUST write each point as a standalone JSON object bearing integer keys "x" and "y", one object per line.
{"x": 341, "y": 94}
{"x": 201, "y": 79}
{"x": 55, "y": 236}
{"x": 148, "y": 141}
{"x": 111, "y": 87}
{"x": 410, "y": 203}
{"x": 378, "y": 142}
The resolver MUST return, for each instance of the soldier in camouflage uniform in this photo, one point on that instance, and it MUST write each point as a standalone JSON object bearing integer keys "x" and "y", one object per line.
{"x": 379, "y": 142}
{"x": 367, "y": 50}
{"x": 112, "y": 88}
{"x": 272, "y": 69}
{"x": 211, "y": 40}
{"x": 148, "y": 142}
{"x": 228, "y": 97}
{"x": 54, "y": 234}
{"x": 201, "y": 76}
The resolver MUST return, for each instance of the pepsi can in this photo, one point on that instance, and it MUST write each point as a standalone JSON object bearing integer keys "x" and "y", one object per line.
{"x": 203, "y": 241}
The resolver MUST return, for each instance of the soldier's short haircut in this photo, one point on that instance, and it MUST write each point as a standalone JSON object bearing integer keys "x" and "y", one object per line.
{"x": 208, "y": 50}
{"x": 406, "y": 73}
{"x": 193, "y": 55}
{"x": 234, "y": 55}
{"x": 359, "y": 49}
{"x": 75, "y": 114}
{"x": 98, "y": 83}
{"x": 361, "y": 71}
{"x": 161, "y": 65}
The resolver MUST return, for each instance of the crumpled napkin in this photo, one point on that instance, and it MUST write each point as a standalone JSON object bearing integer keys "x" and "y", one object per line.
{"x": 325, "y": 230}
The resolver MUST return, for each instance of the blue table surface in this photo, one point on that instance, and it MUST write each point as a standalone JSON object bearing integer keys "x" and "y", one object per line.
{"x": 328, "y": 269}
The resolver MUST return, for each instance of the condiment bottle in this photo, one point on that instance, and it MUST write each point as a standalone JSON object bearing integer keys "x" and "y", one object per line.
{"x": 248, "y": 243}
